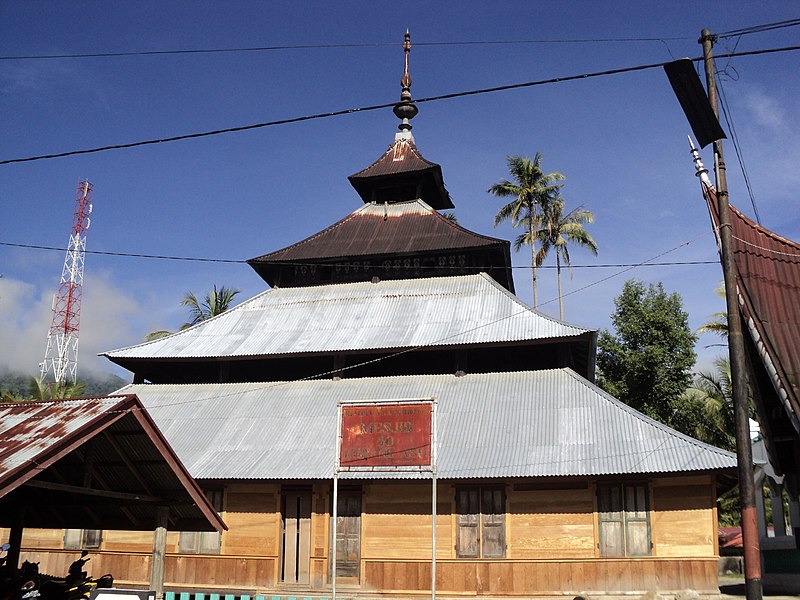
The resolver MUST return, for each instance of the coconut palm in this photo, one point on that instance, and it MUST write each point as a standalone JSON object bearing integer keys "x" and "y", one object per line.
{"x": 556, "y": 231}
{"x": 719, "y": 320}
{"x": 531, "y": 189}
{"x": 214, "y": 303}
{"x": 708, "y": 406}
{"x": 43, "y": 391}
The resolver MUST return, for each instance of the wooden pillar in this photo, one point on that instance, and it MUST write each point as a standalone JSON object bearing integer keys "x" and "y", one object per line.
{"x": 159, "y": 550}
{"x": 15, "y": 541}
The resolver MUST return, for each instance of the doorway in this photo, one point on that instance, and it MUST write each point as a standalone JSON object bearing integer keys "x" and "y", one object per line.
{"x": 296, "y": 543}
{"x": 348, "y": 534}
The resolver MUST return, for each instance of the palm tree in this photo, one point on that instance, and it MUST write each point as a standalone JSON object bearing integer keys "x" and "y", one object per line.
{"x": 555, "y": 232}
{"x": 214, "y": 303}
{"x": 532, "y": 190}
{"x": 42, "y": 391}
{"x": 719, "y": 320}
{"x": 710, "y": 400}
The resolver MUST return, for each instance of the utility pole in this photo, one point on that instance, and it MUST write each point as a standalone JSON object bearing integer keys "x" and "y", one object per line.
{"x": 744, "y": 452}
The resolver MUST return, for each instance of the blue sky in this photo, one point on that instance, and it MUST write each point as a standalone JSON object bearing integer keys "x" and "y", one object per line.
{"x": 620, "y": 140}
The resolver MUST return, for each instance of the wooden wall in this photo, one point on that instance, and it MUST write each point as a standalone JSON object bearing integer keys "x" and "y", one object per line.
{"x": 551, "y": 535}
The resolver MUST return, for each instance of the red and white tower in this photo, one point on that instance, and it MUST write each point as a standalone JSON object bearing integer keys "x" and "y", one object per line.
{"x": 61, "y": 356}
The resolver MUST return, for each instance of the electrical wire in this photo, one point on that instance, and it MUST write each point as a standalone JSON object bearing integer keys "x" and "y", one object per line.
{"x": 759, "y": 28}
{"x": 348, "y": 111}
{"x": 328, "y": 264}
{"x": 726, "y": 111}
{"x": 338, "y": 46}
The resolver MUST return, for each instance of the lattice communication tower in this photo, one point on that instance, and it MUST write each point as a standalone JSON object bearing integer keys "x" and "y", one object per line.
{"x": 61, "y": 356}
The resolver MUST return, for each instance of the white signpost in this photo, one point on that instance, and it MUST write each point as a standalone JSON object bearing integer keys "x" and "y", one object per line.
{"x": 386, "y": 436}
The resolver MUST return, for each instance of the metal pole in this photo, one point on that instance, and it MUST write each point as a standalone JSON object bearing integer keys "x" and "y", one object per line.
{"x": 335, "y": 508}
{"x": 433, "y": 496}
{"x": 744, "y": 452}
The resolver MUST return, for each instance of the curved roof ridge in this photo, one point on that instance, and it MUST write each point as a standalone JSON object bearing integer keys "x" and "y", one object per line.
{"x": 764, "y": 230}
{"x": 643, "y": 417}
{"x": 412, "y": 146}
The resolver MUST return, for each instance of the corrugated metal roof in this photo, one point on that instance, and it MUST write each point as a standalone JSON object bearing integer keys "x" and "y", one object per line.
{"x": 522, "y": 424}
{"x": 47, "y": 448}
{"x": 378, "y": 229}
{"x": 402, "y": 156}
{"x": 402, "y": 163}
{"x": 448, "y": 311}
{"x": 768, "y": 267}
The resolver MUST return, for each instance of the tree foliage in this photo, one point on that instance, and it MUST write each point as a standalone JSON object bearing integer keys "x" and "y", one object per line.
{"x": 531, "y": 190}
{"x": 214, "y": 303}
{"x": 556, "y": 231}
{"x": 647, "y": 363}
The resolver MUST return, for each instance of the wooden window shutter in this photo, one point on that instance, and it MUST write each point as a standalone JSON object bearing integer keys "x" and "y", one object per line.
{"x": 610, "y": 520}
{"x": 467, "y": 523}
{"x": 493, "y": 514}
{"x": 637, "y": 525}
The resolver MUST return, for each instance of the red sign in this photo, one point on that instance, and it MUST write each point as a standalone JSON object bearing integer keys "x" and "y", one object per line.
{"x": 386, "y": 435}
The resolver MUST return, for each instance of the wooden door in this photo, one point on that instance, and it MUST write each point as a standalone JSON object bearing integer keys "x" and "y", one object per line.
{"x": 348, "y": 534}
{"x": 296, "y": 516}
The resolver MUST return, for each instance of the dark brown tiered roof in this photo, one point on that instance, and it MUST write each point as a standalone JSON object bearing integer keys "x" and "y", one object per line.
{"x": 390, "y": 241}
{"x": 401, "y": 174}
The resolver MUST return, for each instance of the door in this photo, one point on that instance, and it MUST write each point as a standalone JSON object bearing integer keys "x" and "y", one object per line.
{"x": 348, "y": 534}
{"x": 296, "y": 516}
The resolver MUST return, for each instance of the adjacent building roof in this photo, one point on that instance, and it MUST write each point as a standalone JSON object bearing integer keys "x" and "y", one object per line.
{"x": 402, "y": 166}
{"x": 394, "y": 314}
{"x": 518, "y": 424}
{"x": 416, "y": 239}
{"x": 97, "y": 463}
{"x": 768, "y": 267}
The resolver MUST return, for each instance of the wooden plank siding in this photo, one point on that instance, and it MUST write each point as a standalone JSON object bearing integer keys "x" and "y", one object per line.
{"x": 552, "y": 545}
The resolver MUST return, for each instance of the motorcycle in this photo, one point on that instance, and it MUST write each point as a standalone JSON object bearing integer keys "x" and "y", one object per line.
{"x": 77, "y": 585}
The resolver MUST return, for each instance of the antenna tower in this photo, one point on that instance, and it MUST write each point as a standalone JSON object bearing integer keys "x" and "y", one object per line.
{"x": 61, "y": 356}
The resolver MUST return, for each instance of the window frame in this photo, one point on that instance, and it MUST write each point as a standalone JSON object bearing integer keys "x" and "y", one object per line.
{"x": 631, "y": 511}
{"x": 204, "y": 542}
{"x": 483, "y": 520}
{"x": 79, "y": 539}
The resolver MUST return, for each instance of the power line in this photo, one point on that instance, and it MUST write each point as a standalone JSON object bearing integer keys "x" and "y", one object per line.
{"x": 348, "y": 111}
{"x": 732, "y": 33}
{"x": 759, "y": 28}
{"x": 338, "y": 46}
{"x": 327, "y": 264}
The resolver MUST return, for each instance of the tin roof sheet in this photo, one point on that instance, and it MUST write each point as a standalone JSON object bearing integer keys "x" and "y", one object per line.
{"x": 402, "y": 156}
{"x": 45, "y": 448}
{"x": 447, "y": 311}
{"x": 378, "y": 229}
{"x": 522, "y": 424}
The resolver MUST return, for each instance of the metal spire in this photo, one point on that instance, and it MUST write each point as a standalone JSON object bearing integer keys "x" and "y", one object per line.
{"x": 700, "y": 169}
{"x": 405, "y": 110}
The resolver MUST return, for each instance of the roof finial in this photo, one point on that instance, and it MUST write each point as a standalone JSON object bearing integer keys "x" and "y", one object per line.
{"x": 700, "y": 169}
{"x": 405, "y": 110}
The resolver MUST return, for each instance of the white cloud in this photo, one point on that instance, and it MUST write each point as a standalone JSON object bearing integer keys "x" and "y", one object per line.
{"x": 109, "y": 319}
{"x": 765, "y": 110}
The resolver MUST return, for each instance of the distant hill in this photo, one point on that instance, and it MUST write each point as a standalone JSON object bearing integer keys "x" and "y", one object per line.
{"x": 18, "y": 383}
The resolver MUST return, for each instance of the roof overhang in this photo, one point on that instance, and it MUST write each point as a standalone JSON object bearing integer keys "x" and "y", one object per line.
{"x": 94, "y": 463}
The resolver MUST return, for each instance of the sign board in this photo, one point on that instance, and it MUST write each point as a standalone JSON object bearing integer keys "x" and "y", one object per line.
{"x": 386, "y": 435}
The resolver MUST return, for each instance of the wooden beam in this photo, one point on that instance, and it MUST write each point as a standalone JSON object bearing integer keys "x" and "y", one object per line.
{"x": 134, "y": 471}
{"x": 159, "y": 550}
{"x": 74, "y": 489}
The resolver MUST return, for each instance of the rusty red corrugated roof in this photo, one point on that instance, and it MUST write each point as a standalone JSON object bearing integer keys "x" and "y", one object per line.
{"x": 768, "y": 267}
{"x": 401, "y": 157}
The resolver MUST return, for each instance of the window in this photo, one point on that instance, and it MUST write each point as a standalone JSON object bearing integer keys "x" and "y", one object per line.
{"x": 623, "y": 515}
{"x": 481, "y": 522}
{"x": 78, "y": 539}
{"x": 203, "y": 542}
